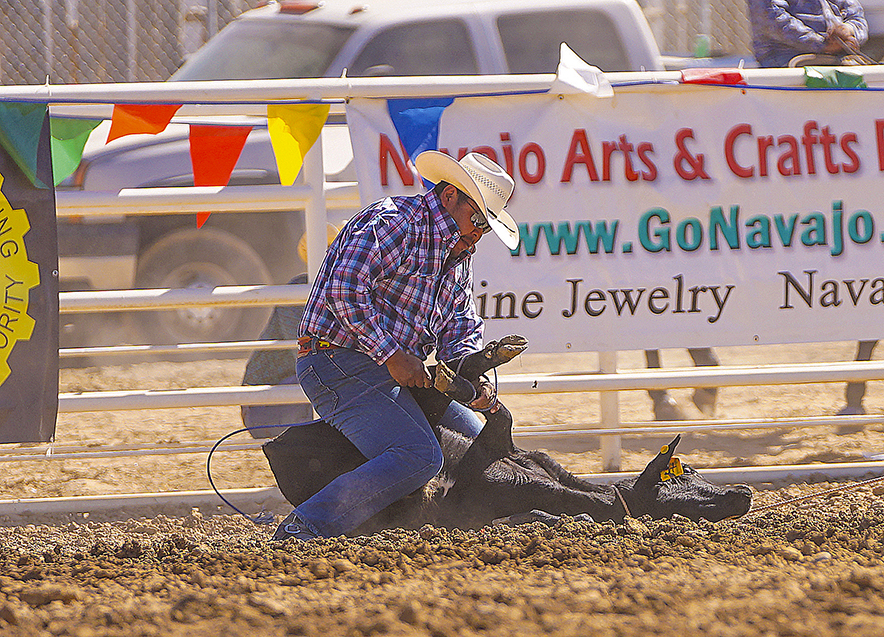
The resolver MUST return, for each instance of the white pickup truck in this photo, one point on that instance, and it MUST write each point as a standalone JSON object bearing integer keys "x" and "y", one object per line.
{"x": 298, "y": 39}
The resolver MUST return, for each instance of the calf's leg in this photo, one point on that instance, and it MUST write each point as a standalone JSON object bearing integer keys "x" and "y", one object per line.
{"x": 513, "y": 494}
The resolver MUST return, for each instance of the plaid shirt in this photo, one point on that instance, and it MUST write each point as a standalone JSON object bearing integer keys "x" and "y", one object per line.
{"x": 385, "y": 284}
{"x": 782, "y": 29}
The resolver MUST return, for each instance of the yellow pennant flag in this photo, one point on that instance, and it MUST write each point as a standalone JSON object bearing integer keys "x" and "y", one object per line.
{"x": 293, "y": 130}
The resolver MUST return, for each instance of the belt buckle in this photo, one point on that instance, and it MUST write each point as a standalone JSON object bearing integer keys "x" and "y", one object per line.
{"x": 304, "y": 346}
{"x": 323, "y": 344}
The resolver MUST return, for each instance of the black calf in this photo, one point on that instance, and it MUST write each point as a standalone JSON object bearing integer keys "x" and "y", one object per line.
{"x": 490, "y": 478}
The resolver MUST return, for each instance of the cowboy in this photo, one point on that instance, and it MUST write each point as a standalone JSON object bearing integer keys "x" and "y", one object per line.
{"x": 394, "y": 287}
{"x": 784, "y": 29}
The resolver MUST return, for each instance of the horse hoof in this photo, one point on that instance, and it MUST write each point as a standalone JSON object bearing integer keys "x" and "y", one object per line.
{"x": 455, "y": 387}
{"x": 505, "y": 350}
{"x": 704, "y": 399}
{"x": 667, "y": 409}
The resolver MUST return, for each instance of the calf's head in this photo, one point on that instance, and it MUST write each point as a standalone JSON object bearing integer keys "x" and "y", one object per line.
{"x": 667, "y": 487}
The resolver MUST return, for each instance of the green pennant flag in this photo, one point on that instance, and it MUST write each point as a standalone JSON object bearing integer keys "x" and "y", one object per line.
{"x": 21, "y": 126}
{"x": 68, "y": 140}
{"x": 818, "y": 77}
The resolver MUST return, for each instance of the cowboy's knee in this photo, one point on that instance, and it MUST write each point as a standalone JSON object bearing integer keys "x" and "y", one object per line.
{"x": 428, "y": 460}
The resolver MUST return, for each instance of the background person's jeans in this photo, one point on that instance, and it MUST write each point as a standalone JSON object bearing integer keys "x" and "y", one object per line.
{"x": 383, "y": 421}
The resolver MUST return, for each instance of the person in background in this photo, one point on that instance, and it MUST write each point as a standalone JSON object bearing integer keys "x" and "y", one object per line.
{"x": 783, "y": 29}
{"x": 396, "y": 286}
{"x": 276, "y": 367}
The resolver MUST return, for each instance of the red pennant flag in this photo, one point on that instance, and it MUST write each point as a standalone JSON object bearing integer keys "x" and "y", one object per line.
{"x": 214, "y": 151}
{"x": 128, "y": 119}
{"x": 712, "y": 76}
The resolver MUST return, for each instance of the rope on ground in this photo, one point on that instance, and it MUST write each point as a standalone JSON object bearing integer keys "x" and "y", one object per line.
{"x": 846, "y": 487}
{"x": 266, "y": 517}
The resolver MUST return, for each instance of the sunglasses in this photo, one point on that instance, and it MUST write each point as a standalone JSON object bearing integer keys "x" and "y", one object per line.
{"x": 478, "y": 219}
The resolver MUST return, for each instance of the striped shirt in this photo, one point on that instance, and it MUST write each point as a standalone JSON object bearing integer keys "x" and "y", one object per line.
{"x": 385, "y": 284}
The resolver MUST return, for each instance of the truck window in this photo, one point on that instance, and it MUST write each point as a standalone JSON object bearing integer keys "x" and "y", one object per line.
{"x": 531, "y": 41}
{"x": 438, "y": 47}
{"x": 266, "y": 50}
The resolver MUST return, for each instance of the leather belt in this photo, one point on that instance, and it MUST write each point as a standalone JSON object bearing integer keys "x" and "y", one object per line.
{"x": 311, "y": 344}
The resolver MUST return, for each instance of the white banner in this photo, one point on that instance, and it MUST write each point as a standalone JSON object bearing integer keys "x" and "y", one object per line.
{"x": 679, "y": 216}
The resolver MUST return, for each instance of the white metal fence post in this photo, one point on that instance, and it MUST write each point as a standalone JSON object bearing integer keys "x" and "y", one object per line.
{"x": 609, "y": 415}
{"x": 315, "y": 213}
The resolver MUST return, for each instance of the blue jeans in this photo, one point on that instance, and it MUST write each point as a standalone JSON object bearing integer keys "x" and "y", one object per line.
{"x": 360, "y": 399}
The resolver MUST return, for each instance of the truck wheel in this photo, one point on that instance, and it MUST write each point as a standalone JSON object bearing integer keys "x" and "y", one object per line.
{"x": 200, "y": 258}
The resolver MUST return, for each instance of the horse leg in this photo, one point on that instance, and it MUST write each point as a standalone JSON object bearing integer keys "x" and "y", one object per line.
{"x": 665, "y": 407}
{"x": 704, "y": 397}
{"x": 855, "y": 392}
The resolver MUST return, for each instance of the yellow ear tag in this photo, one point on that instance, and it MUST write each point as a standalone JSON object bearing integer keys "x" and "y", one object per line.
{"x": 674, "y": 469}
{"x": 664, "y": 449}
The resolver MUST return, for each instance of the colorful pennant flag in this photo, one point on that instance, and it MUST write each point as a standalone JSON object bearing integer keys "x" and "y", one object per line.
{"x": 417, "y": 122}
{"x": 293, "y": 131}
{"x": 21, "y": 135}
{"x": 68, "y": 138}
{"x": 701, "y": 75}
{"x": 214, "y": 151}
{"x": 819, "y": 77}
{"x": 128, "y": 119}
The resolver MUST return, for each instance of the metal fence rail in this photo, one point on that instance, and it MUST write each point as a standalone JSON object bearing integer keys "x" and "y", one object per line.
{"x": 98, "y": 449}
{"x": 549, "y": 383}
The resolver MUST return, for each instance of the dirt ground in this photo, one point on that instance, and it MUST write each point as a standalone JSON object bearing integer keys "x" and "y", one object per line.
{"x": 813, "y": 568}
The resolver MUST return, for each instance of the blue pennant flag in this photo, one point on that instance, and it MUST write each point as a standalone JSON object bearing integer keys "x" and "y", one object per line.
{"x": 417, "y": 122}
{"x": 24, "y": 140}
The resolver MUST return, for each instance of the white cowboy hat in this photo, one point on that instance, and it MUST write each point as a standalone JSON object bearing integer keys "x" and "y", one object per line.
{"x": 482, "y": 180}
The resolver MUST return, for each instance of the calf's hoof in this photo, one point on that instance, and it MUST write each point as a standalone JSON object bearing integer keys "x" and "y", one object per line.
{"x": 535, "y": 515}
{"x": 505, "y": 349}
{"x": 667, "y": 409}
{"x": 455, "y": 387}
{"x": 704, "y": 399}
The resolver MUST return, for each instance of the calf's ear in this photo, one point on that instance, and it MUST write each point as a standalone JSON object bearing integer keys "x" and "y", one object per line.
{"x": 651, "y": 474}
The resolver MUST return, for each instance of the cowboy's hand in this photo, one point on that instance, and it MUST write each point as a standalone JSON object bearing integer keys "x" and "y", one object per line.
{"x": 408, "y": 370}
{"x": 486, "y": 397}
{"x": 839, "y": 36}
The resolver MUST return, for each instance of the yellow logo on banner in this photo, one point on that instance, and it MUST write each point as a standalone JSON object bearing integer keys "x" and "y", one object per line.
{"x": 18, "y": 276}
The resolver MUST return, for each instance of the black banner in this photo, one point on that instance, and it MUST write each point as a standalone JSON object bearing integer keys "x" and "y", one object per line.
{"x": 29, "y": 279}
